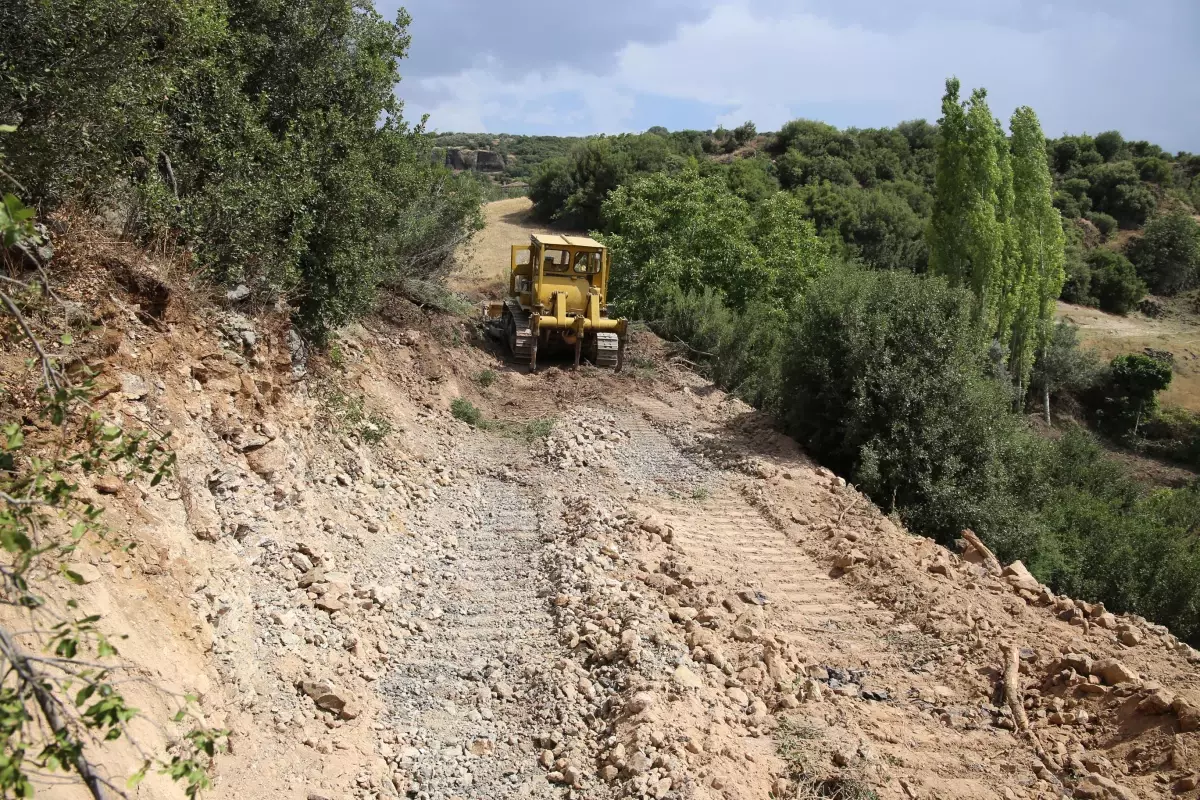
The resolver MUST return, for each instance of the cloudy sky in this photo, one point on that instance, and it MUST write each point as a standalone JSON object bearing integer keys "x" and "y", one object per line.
{"x": 608, "y": 66}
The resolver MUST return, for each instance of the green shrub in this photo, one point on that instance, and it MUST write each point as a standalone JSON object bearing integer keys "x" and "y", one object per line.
{"x": 1077, "y": 188}
{"x": 1064, "y": 366}
{"x": 1129, "y": 395}
{"x": 751, "y": 179}
{"x": 1077, "y": 288}
{"x": 1110, "y": 145}
{"x": 1067, "y": 205}
{"x": 1173, "y": 433}
{"x": 743, "y": 133}
{"x": 688, "y": 233}
{"x": 1106, "y": 224}
{"x": 1155, "y": 170}
{"x": 463, "y": 409}
{"x": 1117, "y": 189}
{"x": 1167, "y": 256}
{"x": 884, "y": 381}
{"x": 1114, "y": 281}
{"x": 486, "y": 378}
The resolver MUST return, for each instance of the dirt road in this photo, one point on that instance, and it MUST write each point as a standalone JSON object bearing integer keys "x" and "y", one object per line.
{"x": 486, "y": 260}
{"x": 663, "y": 597}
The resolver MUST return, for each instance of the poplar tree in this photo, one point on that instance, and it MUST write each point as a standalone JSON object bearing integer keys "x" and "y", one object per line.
{"x": 1040, "y": 243}
{"x": 967, "y": 231}
{"x": 1010, "y": 276}
{"x": 994, "y": 228}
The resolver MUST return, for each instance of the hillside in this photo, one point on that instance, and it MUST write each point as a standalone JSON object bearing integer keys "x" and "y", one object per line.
{"x": 660, "y": 597}
{"x": 870, "y": 192}
{"x": 285, "y": 513}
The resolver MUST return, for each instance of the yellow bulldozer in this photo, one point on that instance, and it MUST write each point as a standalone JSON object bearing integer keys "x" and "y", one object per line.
{"x": 557, "y": 299}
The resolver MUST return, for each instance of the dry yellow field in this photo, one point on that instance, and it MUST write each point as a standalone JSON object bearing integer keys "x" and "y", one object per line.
{"x": 1111, "y": 335}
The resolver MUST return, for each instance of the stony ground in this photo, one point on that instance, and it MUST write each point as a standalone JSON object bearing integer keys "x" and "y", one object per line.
{"x": 613, "y": 586}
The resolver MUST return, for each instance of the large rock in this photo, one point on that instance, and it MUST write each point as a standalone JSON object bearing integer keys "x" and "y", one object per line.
{"x": 1020, "y": 577}
{"x": 459, "y": 158}
{"x": 1188, "y": 714}
{"x": 327, "y": 695}
{"x": 1079, "y": 662}
{"x": 1098, "y": 787}
{"x": 1112, "y": 672}
{"x": 1156, "y": 702}
{"x": 269, "y": 460}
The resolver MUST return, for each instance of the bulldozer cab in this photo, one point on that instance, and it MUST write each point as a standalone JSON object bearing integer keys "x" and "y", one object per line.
{"x": 573, "y": 266}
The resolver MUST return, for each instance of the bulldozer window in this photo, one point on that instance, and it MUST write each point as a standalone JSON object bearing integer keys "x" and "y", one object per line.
{"x": 555, "y": 260}
{"x": 588, "y": 263}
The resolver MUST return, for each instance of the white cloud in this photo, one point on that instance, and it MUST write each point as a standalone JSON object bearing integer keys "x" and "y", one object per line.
{"x": 772, "y": 66}
{"x": 467, "y": 100}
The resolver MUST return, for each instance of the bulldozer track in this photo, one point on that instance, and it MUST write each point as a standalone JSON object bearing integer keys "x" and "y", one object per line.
{"x": 520, "y": 337}
{"x": 607, "y": 351}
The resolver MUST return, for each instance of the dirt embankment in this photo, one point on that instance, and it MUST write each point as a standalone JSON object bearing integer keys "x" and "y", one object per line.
{"x": 662, "y": 598}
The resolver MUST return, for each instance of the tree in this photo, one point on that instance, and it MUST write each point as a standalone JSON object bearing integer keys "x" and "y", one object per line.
{"x": 744, "y": 133}
{"x": 886, "y": 233}
{"x": 884, "y": 381}
{"x": 1114, "y": 281}
{"x": 550, "y": 188}
{"x": 1110, "y": 145}
{"x": 751, "y": 179}
{"x": 686, "y": 233}
{"x": 266, "y": 139}
{"x": 1167, "y": 256}
{"x": 1062, "y": 365}
{"x": 1117, "y": 189}
{"x": 967, "y": 236}
{"x": 1135, "y": 381}
{"x": 813, "y": 138}
{"x": 1037, "y": 277}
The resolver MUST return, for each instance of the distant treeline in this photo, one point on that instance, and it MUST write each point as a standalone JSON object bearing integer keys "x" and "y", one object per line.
{"x": 869, "y": 192}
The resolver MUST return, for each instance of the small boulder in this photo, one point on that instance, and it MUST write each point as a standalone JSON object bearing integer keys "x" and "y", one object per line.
{"x": 686, "y": 678}
{"x": 641, "y": 701}
{"x": 107, "y": 484}
{"x": 327, "y": 695}
{"x": 1188, "y": 714}
{"x": 849, "y": 559}
{"x": 1098, "y": 787}
{"x": 1157, "y": 701}
{"x": 1020, "y": 577}
{"x": 1129, "y": 636}
{"x": 1079, "y": 662}
{"x": 1112, "y": 672}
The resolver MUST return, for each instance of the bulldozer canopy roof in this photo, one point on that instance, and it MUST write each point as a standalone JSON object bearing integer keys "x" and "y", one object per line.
{"x": 554, "y": 240}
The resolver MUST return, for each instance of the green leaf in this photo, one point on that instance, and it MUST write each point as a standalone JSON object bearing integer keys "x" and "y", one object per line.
{"x": 137, "y": 777}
